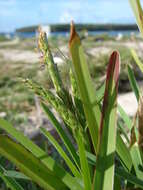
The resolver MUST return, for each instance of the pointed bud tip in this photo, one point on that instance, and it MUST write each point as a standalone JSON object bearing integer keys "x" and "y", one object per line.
{"x": 115, "y": 54}
{"x": 113, "y": 68}
{"x": 115, "y": 58}
{"x": 72, "y": 32}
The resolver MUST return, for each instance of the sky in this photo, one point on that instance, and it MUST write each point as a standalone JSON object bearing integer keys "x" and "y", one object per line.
{"x": 19, "y": 13}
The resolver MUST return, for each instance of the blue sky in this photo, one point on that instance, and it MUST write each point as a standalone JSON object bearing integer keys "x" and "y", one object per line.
{"x": 19, "y": 13}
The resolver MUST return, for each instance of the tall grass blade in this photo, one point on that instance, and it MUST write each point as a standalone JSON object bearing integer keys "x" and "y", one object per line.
{"x": 65, "y": 177}
{"x": 125, "y": 117}
{"x": 123, "y": 153}
{"x": 62, "y": 134}
{"x": 85, "y": 85}
{"x": 137, "y": 161}
{"x": 123, "y": 131}
{"x": 133, "y": 82}
{"x": 100, "y": 93}
{"x": 83, "y": 159}
{"x": 60, "y": 150}
{"x": 137, "y": 60}
{"x": 119, "y": 171}
{"x": 137, "y": 9}
{"x": 104, "y": 175}
{"x": 29, "y": 164}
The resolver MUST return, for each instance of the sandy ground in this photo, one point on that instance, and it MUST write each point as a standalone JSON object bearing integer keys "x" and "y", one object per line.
{"x": 19, "y": 55}
{"x": 31, "y": 56}
{"x": 9, "y": 43}
{"x": 128, "y": 103}
{"x": 26, "y": 56}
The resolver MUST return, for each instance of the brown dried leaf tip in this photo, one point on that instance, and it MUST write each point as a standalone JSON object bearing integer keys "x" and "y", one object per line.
{"x": 73, "y": 33}
{"x": 140, "y": 122}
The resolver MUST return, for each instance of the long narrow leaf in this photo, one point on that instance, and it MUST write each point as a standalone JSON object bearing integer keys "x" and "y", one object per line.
{"x": 86, "y": 88}
{"x": 123, "y": 131}
{"x": 137, "y": 161}
{"x": 121, "y": 172}
{"x": 125, "y": 117}
{"x": 92, "y": 110}
{"x": 137, "y": 61}
{"x": 133, "y": 82}
{"x": 123, "y": 152}
{"x": 83, "y": 160}
{"x": 65, "y": 177}
{"x": 136, "y": 6}
{"x": 104, "y": 176}
{"x": 61, "y": 152}
{"x": 62, "y": 134}
{"x": 100, "y": 93}
{"x": 29, "y": 164}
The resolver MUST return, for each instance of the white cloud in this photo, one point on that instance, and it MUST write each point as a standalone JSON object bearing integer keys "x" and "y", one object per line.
{"x": 101, "y": 11}
{"x": 66, "y": 17}
{"x": 71, "y": 10}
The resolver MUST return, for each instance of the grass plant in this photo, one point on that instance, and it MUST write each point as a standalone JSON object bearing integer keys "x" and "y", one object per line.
{"x": 99, "y": 154}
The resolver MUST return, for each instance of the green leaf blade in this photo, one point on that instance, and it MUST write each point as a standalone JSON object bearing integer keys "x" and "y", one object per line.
{"x": 65, "y": 177}
{"x": 125, "y": 117}
{"x": 29, "y": 164}
{"x": 83, "y": 159}
{"x": 138, "y": 12}
{"x": 133, "y": 82}
{"x": 62, "y": 134}
{"x": 137, "y": 161}
{"x": 137, "y": 60}
{"x": 86, "y": 88}
{"x": 61, "y": 152}
{"x": 123, "y": 152}
{"x": 104, "y": 175}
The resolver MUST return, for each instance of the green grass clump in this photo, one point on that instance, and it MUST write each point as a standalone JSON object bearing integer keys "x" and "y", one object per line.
{"x": 88, "y": 132}
{"x": 97, "y": 151}
{"x": 3, "y": 38}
